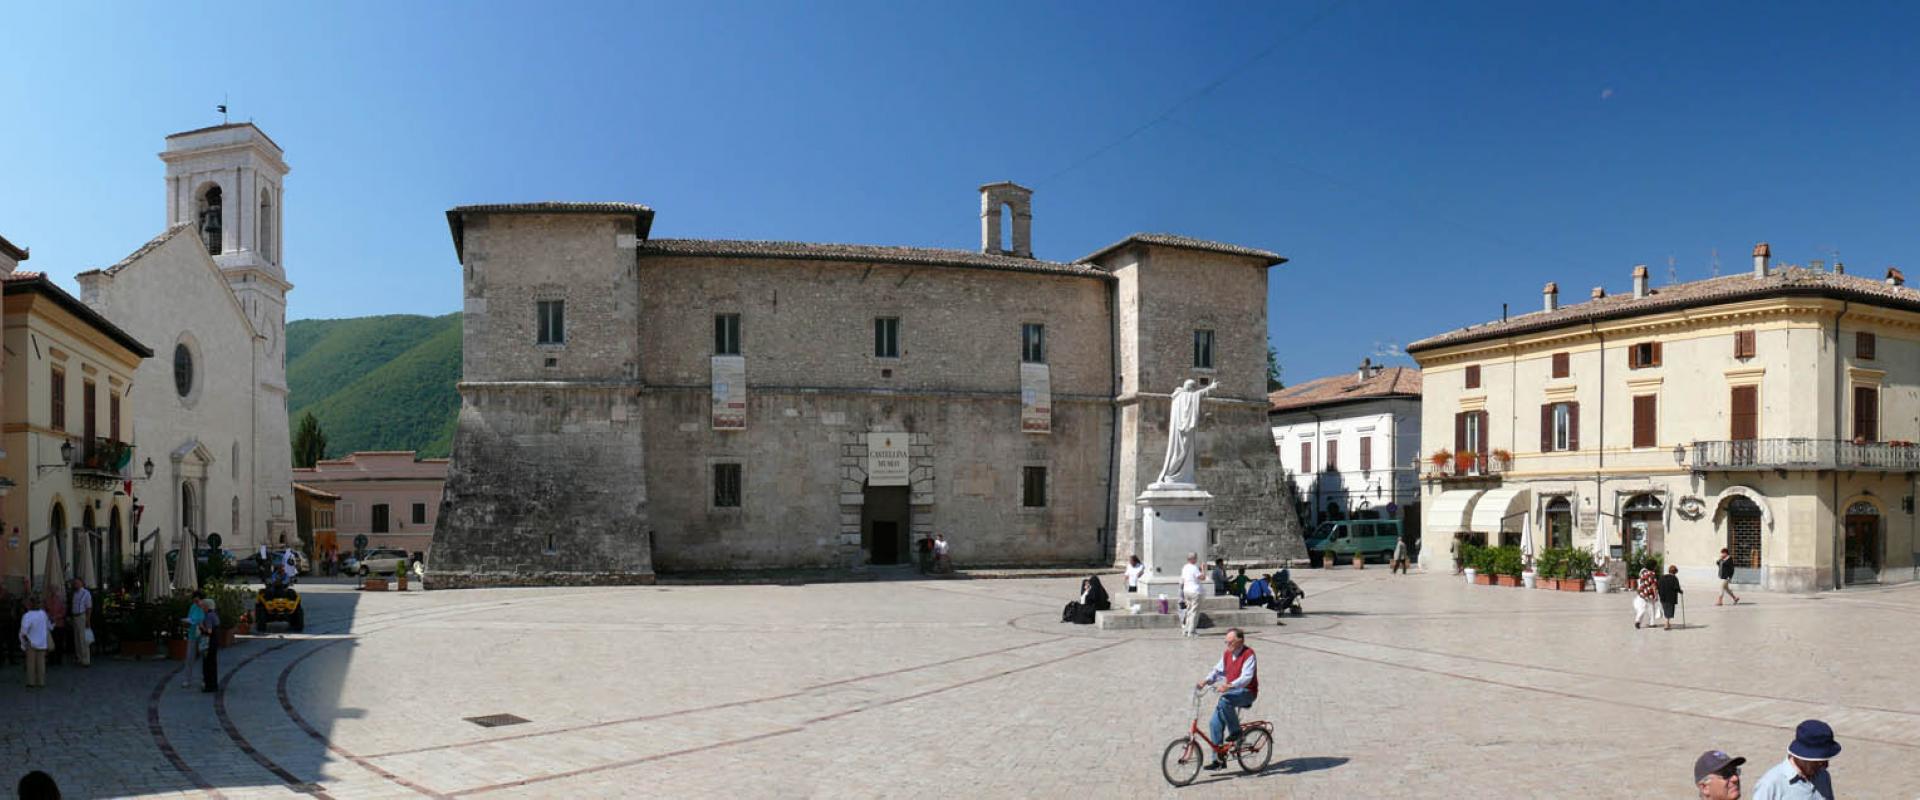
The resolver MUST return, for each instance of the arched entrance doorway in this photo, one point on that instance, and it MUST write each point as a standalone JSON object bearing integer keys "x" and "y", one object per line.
{"x": 1559, "y": 525}
{"x": 1863, "y": 543}
{"x": 1743, "y": 526}
{"x": 189, "y": 507}
{"x": 1642, "y": 525}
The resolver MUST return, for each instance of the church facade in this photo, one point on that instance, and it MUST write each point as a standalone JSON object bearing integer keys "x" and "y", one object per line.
{"x": 632, "y": 404}
{"x": 209, "y": 296}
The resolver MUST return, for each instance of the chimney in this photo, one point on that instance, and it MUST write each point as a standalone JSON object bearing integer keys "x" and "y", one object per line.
{"x": 1894, "y": 277}
{"x": 1366, "y": 369}
{"x": 1839, "y": 267}
{"x": 1599, "y": 292}
{"x": 1640, "y": 282}
{"x": 1018, "y": 200}
{"x": 1552, "y": 295}
{"x": 1761, "y": 254}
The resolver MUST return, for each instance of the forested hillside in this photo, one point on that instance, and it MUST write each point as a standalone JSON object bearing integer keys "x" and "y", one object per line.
{"x": 376, "y": 383}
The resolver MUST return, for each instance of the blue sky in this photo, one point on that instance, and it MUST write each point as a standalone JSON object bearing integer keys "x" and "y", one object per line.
{"x": 1421, "y": 163}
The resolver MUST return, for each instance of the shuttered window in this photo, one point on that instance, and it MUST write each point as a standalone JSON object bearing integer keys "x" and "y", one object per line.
{"x": 58, "y": 399}
{"x": 1746, "y": 413}
{"x": 1366, "y": 454}
{"x": 1306, "y": 458}
{"x": 1645, "y": 428}
{"x": 1559, "y": 427}
{"x": 1333, "y": 455}
{"x": 1470, "y": 432}
{"x": 1863, "y": 345}
{"x": 1473, "y": 377}
{"x": 1560, "y": 365}
{"x": 1743, "y": 344}
{"x": 1866, "y": 413}
{"x": 1643, "y": 355}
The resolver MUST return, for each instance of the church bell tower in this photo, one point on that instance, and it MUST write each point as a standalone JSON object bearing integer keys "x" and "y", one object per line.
{"x": 227, "y": 182}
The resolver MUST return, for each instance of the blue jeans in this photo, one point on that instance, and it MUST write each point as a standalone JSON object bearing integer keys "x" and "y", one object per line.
{"x": 1226, "y": 714}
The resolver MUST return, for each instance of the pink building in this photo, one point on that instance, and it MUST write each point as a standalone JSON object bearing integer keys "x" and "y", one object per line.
{"x": 386, "y": 495}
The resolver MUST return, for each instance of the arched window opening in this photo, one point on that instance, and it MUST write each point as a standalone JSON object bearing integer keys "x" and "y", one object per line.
{"x": 186, "y": 507}
{"x": 1559, "y": 522}
{"x": 210, "y": 219}
{"x": 236, "y": 517}
{"x": 1642, "y": 526}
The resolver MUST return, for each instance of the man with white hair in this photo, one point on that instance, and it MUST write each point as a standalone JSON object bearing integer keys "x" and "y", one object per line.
{"x": 1190, "y": 577}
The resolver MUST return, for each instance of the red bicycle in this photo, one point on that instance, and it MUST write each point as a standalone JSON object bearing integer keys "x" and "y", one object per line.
{"x": 1183, "y": 757}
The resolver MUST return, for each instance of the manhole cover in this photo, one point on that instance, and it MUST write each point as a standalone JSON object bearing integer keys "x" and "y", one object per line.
{"x": 496, "y": 720}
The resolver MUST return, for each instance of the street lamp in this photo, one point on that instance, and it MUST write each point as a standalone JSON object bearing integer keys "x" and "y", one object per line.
{"x": 66, "y": 458}
{"x": 149, "y": 468}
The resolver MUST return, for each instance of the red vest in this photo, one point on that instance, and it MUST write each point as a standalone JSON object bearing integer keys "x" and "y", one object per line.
{"x": 1234, "y": 663}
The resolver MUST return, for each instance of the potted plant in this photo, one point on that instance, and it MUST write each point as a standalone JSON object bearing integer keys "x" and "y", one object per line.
{"x": 1441, "y": 458}
{"x": 1485, "y": 562}
{"x": 1465, "y": 462}
{"x": 1578, "y": 566}
{"x": 173, "y": 619}
{"x": 1469, "y": 561}
{"x": 1502, "y": 459}
{"x": 1551, "y": 565}
{"x": 230, "y": 601}
{"x": 1506, "y": 566}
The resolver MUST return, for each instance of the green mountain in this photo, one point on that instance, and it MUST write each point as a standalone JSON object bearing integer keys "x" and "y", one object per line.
{"x": 376, "y": 383}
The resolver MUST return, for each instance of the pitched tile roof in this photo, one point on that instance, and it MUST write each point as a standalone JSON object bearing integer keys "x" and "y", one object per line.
{"x": 1781, "y": 282}
{"x": 866, "y": 252}
{"x": 456, "y": 216}
{"x": 1345, "y": 388}
{"x": 37, "y": 282}
{"x": 1190, "y": 243}
{"x": 150, "y": 246}
{"x": 12, "y": 251}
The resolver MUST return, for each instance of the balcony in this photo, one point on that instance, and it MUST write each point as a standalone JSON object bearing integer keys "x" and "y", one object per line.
{"x": 1802, "y": 454}
{"x": 100, "y": 464}
{"x": 1466, "y": 467}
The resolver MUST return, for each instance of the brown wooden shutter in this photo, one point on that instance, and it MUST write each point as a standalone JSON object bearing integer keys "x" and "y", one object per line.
{"x": 1333, "y": 456}
{"x": 1366, "y": 454}
{"x": 1746, "y": 413}
{"x": 1573, "y": 426}
{"x": 1560, "y": 366}
{"x": 1460, "y": 432}
{"x": 1633, "y": 357}
{"x": 1546, "y": 428}
{"x": 1306, "y": 458}
{"x": 1656, "y": 355}
{"x": 1473, "y": 377}
{"x": 1863, "y": 345}
{"x": 1866, "y": 413}
{"x": 1643, "y": 421}
{"x": 1743, "y": 344}
{"x": 1480, "y": 447}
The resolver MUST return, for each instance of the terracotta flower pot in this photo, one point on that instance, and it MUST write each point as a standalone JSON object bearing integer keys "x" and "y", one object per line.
{"x": 1573, "y": 584}
{"x": 1482, "y": 579}
{"x": 1508, "y": 580}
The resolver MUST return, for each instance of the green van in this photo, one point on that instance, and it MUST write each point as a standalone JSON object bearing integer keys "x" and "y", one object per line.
{"x": 1342, "y": 538}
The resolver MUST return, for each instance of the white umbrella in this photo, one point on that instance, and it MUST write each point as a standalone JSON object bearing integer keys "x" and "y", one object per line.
{"x": 83, "y": 559}
{"x": 157, "y": 586}
{"x": 184, "y": 577}
{"x": 53, "y": 582}
{"x": 1526, "y": 536}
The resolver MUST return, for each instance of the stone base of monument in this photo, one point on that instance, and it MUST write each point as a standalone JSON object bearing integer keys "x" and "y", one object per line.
{"x": 1215, "y": 612}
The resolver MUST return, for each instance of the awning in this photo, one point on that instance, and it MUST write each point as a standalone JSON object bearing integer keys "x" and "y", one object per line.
{"x": 1448, "y": 514}
{"x": 1496, "y": 505}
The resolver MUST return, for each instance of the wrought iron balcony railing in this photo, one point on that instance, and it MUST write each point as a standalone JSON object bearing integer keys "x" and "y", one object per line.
{"x": 1467, "y": 467}
{"x": 1803, "y": 454}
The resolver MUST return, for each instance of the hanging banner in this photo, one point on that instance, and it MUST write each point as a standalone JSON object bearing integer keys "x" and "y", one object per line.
{"x": 729, "y": 393}
{"x": 1036, "y": 399}
{"x": 887, "y": 459}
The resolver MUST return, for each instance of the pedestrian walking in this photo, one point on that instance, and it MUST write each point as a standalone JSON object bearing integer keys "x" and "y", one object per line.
{"x": 78, "y": 621}
{"x": 1804, "y": 773}
{"x": 210, "y": 646}
{"x": 1190, "y": 577}
{"x": 1135, "y": 570}
{"x": 1670, "y": 591}
{"x": 36, "y": 638}
{"x": 194, "y": 615}
{"x": 1717, "y": 775}
{"x": 1645, "y": 596}
{"x": 1726, "y": 578}
{"x": 1399, "y": 556}
{"x": 1219, "y": 577}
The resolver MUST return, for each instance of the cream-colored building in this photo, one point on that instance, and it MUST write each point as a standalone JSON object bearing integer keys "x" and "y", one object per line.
{"x": 1772, "y": 412}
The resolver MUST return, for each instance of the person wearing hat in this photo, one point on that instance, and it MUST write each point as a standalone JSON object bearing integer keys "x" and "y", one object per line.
{"x": 1804, "y": 773}
{"x": 1717, "y": 775}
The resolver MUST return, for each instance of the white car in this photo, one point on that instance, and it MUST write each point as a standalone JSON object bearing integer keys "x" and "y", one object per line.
{"x": 383, "y": 561}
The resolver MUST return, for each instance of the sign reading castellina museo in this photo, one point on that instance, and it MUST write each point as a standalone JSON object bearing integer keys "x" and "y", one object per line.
{"x": 887, "y": 459}
{"x": 1036, "y": 399}
{"x": 729, "y": 393}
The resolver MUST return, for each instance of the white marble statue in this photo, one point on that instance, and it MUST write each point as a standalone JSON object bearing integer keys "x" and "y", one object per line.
{"x": 1180, "y": 463}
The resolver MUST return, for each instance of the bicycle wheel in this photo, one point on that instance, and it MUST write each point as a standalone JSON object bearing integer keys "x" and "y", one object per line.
{"x": 1182, "y": 759}
{"x": 1255, "y": 750}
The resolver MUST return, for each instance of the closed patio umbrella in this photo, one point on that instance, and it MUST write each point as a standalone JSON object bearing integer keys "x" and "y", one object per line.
{"x": 1526, "y": 536}
{"x": 53, "y": 583}
{"x": 83, "y": 560}
{"x": 157, "y": 586}
{"x": 185, "y": 578}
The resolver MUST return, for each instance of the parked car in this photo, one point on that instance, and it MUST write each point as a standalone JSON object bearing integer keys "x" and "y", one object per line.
{"x": 1340, "y": 540}
{"x": 250, "y": 564}
{"x": 200, "y": 555}
{"x": 382, "y": 561}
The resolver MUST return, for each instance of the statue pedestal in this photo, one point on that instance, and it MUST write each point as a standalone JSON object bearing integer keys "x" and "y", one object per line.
{"x": 1173, "y": 523}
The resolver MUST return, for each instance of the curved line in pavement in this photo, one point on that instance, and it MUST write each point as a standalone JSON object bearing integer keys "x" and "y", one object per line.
{"x": 166, "y": 747}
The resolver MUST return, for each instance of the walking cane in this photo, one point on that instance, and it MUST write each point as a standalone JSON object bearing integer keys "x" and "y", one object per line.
{"x": 1683, "y": 609}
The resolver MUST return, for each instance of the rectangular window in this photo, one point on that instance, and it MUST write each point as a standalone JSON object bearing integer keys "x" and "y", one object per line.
{"x": 726, "y": 486}
{"x": 419, "y": 513}
{"x": 1333, "y": 455}
{"x": 1561, "y": 367}
{"x": 552, "y": 318}
{"x": 379, "y": 517}
{"x": 113, "y": 404}
{"x": 1306, "y": 458}
{"x": 1645, "y": 424}
{"x": 1033, "y": 343}
{"x": 1473, "y": 376}
{"x": 1743, "y": 344}
{"x": 886, "y": 337}
{"x": 1470, "y": 432}
{"x": 1863, "y": 345}
{"x": 1866, "y": 413}
{"x": 58, "y": 391}
{"x": 726, "y": 334}
{"x": 1643, "y": 355}
{"x": 89, "y": 411}
{"x": 1033, "y": 487}
{"x": 1202, "y": 349}
{"x": 1366, "y": 454}
{"x": 1745, "y": 416}
{"x": 1559, "y": 427}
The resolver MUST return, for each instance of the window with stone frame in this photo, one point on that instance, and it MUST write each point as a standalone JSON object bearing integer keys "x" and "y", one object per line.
{"x": 551, "y": 316}
{"x": 1033, "y": 343}
{"x": 1744, "y": 344}
{"x": 1203, "y": 349}
{"x": 380, "y": 521}
{"x": 726, "y": 485}
{"x": 1033, "y": 487}
{"x": 726, "y": 334}
{"x": 1643, "y": 355}
{"x": 1863, "y": 345}
{"x": 1562, "y": 365}
{"x": 419, "y": 513}
{"x": 1473, "y": 376}
{"x": 58, "y": 397}
{"x": 886, "y": 337}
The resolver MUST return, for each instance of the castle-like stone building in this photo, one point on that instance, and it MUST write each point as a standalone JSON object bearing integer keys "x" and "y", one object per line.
{"x": 632, "y": 403}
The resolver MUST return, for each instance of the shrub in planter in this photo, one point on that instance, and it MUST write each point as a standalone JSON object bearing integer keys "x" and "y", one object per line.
{"x": 1578, "y": 569}
{"x": 1507, "y": 563}
{"x": 1550, "y": 564}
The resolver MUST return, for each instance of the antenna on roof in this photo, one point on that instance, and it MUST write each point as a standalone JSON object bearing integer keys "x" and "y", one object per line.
{"x": 1715, "y": 265}
{"x": 1673, "y": 276}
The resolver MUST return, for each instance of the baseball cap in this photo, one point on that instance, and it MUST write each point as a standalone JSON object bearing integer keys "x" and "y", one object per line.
{"x": 1713, "y": 761}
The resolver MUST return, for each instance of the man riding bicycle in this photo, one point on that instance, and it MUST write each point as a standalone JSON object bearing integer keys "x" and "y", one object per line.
{"x": 1239, "y": 685}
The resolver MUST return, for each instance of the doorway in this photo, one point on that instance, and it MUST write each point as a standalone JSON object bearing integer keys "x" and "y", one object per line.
{"x": 1863, "y": 544}
{"x": 1743, "y": 538}
{"x": 885, "y": 518}
{"x": 1641, "y": 526}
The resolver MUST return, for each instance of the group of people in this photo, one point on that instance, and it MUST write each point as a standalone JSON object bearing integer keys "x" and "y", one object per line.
{"x": 1655, "y": 597}
{"x": 934, "y": 556}
{"x": 203, "y": 643}
{"x": 1802, "y": 775}
{"x": 55, "y": 623}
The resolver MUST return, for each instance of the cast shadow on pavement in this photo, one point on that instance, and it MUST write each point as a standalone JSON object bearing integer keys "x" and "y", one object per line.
{"x": 1288, "y": 766}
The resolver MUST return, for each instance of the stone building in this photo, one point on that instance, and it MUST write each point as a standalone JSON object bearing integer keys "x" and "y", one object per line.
{"x": 388, "y": 496}
{"x": 1350, "y": 442}
{"x": 1772, "y": 413}
{"x": 632, "y": 403}
{"x": 209, "y": 294}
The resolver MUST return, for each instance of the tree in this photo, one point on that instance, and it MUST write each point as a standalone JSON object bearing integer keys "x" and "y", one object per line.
{"x": 1273, "y": 370}
{"x": 309, "y": 442}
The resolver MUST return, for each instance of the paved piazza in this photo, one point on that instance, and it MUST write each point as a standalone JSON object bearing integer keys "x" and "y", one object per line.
{"x": 1391, "y": 686}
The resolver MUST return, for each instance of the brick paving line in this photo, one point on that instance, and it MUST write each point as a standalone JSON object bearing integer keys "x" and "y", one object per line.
{"x": 1569, "y": 695}
{"x": 166, "y": 746}
{"x": 745, "y": 740}
{"x": 286, "y": 706}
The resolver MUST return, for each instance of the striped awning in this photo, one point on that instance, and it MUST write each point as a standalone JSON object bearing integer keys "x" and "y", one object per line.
{"x": 1497, "y": 505}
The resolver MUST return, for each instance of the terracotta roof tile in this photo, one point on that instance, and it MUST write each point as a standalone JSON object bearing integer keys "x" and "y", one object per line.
{"x": 1190, "y": 243}
{"x": 1345, "y": 388}
{"x": 866, "y": 253}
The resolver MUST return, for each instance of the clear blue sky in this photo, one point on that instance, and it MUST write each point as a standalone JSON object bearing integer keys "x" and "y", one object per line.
{"x": 1421, "y": 163}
